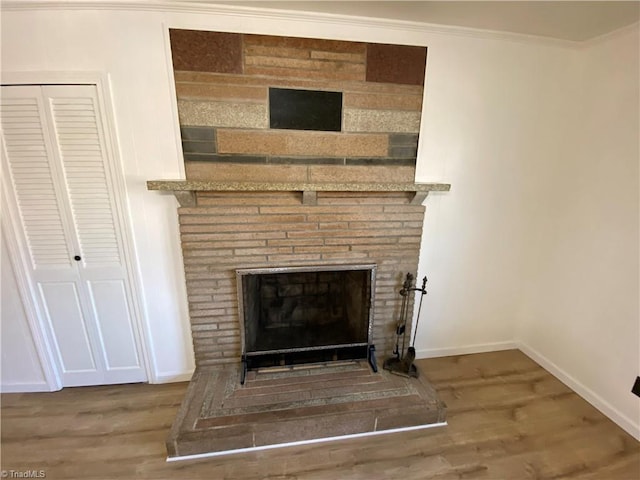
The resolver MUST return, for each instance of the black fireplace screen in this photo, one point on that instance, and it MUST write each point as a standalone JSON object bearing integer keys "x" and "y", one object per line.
{"x": 306, "y": 309}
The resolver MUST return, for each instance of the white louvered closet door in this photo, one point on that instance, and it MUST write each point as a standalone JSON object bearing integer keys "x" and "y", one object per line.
{"x": 57, "y": 157}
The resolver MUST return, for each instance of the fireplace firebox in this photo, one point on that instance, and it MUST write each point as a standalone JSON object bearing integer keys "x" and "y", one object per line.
{"x": 307, "y": 314}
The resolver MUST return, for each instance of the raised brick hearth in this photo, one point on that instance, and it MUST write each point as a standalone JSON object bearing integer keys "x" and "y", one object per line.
{"x": 297, "y": 405}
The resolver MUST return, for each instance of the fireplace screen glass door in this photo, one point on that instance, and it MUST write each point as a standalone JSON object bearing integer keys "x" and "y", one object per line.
{"x": 301, "y": 314}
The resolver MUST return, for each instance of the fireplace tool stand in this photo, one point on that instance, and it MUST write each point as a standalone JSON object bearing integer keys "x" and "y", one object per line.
{"x": 402, "y": 363}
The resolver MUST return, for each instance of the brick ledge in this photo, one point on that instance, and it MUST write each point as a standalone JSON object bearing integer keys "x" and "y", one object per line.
{"x": 184, "y": 190}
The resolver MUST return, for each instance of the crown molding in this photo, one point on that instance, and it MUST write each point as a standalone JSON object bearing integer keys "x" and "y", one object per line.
{"x": 202, "y": 8}
{"x": 619, "y": 32}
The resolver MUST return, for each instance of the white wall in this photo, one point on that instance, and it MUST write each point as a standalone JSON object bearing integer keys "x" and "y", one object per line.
{"x": 20, "y": 364}
{"x": 499, "y": 124}
{"x": 494, "y": 113}
{"x": 579, "y": 314}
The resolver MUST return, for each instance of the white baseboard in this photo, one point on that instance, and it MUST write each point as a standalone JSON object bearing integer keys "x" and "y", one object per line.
{"x": 466, "y": 349}
{"x": 624, "y": 422}
{"x": 173, "y": 377}
{"x": 25, "y": 387}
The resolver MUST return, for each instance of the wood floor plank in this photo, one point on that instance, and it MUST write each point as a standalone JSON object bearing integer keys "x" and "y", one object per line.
{"x": 508, "y": 419}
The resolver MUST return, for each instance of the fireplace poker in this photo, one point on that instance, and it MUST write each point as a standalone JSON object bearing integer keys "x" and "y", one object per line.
{"x": 411, "y": 351}
{"x": 401, "y": 327}
{"x": 406, "y": 288}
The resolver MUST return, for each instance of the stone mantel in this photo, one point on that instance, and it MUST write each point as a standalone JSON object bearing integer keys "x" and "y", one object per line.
{"x": 184, "y": 190}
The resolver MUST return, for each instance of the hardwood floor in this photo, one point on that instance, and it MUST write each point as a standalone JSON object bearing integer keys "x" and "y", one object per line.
{"x": 508, "y": 419}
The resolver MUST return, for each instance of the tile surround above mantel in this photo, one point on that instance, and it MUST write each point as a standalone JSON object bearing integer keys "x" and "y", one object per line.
{"x": 184, "y": 190}
{"x": 234, "y": 125}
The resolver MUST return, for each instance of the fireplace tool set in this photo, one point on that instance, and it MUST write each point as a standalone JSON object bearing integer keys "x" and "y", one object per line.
{"x": 402, "y": 363}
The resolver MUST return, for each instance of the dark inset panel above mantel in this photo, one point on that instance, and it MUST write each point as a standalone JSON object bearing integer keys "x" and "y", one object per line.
{"x": 305, "y": 109}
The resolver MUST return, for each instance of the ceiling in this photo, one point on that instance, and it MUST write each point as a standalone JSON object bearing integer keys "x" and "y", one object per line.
{"x": 565, "y": 20}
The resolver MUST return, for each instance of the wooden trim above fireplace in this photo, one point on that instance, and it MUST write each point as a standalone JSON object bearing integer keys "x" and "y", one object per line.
{"x": 184, "y": 190}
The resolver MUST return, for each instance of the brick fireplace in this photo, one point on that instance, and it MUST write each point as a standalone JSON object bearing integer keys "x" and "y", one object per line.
{"x": 232, "y": 227}
{"x": 299, "y": 156}
{"x": 222, "y": 232}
